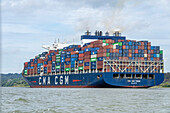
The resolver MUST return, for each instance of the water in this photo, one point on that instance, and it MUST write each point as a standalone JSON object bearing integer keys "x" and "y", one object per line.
{"x": 85, "y": 100}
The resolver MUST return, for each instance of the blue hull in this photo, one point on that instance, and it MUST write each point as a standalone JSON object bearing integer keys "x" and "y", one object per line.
{"x": 101, "y": 80}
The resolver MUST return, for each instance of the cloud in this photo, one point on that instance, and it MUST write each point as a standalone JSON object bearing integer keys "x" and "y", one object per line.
{"x": 27, "y": 24}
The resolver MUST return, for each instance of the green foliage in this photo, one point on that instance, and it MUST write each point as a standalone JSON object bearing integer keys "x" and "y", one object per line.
{"x": 13, "y": 80}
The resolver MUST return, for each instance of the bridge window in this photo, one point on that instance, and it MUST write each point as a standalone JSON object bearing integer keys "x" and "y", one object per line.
{"x": 145, "y": 76}
{"x": 133, "y": 76}
{"x": 151, "y": 76}
{"x": 128, "y": 76}
{"x": 98, "y": 77}
{"x": 115, "y": 75}
{"x": 122, "y": 75}
{"x": 138, "y": 76}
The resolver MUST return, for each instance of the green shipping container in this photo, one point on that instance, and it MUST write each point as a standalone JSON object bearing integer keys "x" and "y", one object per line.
{"x": 161, "y": 51}
{"x": 57, "y": 67}
{"x": 104, "y": 41}
{"x": 107, "y": 54}
{"x": 25, "y": 72}
{"x": 93, "y": 59}
{"x": 115, "y": 44}
{"x": 107, "y": 44}
{"x": 157, "y": 55}
{"x": 120, "y": 43}
{"x": 67, "y": 69}
{"x": 80, "y": 68}
{"x": 57, "y": 57}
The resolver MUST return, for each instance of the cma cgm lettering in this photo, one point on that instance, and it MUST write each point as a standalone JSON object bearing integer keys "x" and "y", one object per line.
{"x": 58, "y": 80}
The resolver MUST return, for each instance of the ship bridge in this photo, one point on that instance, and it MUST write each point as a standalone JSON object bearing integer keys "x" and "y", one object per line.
{"x": 87, "y": 38}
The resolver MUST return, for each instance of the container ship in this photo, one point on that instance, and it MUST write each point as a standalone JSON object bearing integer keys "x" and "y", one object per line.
{"x": 101, "y": 61}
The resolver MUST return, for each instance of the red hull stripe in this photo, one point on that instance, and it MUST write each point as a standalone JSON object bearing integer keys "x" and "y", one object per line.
{"x": 65, "y": 86}
{"x": 34, "y": 81}
{"x": 134, "y": 86}
{"x": 76, "y": 80}
{"x": 85, "y": 86}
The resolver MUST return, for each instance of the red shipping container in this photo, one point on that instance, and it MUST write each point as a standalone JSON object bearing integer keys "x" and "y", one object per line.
{"x": 152, "y": 51}
{"x": 90, "y": 46}
{"x": 87, "y": 53}
{"x": 40, "y": 61}
{"x": 130, "y": 51}
{"x": 142, "y": 43}
{"x": 87, "y": 56}
{"x": 120, "y": 58}
{"x": 101, "y": 51}
{"x": 49, "y": 67}
{"x": 130, "y": 55}
{"x": 81, "y": 58}
{"x": 67, "y": 66}
{"x": 86, "y": 67}
{"x": 136, "y": 51}
{"x": 98, "y": 45}
{"x": 80, "y": 65}
{"x": 67, "y": 59}
{"x": 124, "y": 47}
{"x": 86, "y": 60}
{"x": 53, "y": 56}
{"x": 111, "y": 50}
{"x": 51, "y": 51}
{"x": 48, "y": 71}
{"x": 99, "y": 62}
{"x": 149, "y": 55}
{"x": 81, "y": 55}
{"x": 142, "y": 58}
{"x": 35, "y": 70}
{"x": 79, "y": 46}
{"x": 46, "y": 59}
{"x": 101, "y": 54}
{"x": 149, "y": 43}
{"x": 35, "y": 65}
{"x": 32, "y": 71}
{"x": 45, "y": 65}
{"x": 28, "y": 71}
{"x": 108, "y": 47}
{"x": 99, "y": 66}
{"x": 142, "y": 47}
{"x": 73, "y": 52}
{"x": 49, "y": 62}
{"x": 145, "y": 51}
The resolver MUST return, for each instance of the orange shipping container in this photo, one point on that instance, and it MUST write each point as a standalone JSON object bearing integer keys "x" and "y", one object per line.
{"x": 86, "y": 67}
{"x": 67, "y": 59}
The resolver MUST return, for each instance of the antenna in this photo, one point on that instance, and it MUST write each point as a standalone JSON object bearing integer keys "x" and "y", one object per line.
{"x": 55, "y": 40}
{"x": 58, "y": 40}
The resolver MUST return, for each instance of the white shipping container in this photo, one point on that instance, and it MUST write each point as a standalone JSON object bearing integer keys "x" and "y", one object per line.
{"x": 145, "y": 55}
{"x": 104, "y": 44}
{"x": 93, "y": 56}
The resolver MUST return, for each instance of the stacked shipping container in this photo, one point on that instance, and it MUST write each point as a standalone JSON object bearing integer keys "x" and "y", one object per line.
{"x": 75, "y": 58}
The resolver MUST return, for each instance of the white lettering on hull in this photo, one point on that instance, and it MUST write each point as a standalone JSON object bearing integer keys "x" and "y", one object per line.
{"x": 48, "y": 81}
{"x": 56, "y": 77}
{"x": 58, "y": 80}
{"x": 39, "y": 81}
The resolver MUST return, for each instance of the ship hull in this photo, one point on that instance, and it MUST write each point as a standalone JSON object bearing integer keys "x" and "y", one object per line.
{"x": 93, "y": 80}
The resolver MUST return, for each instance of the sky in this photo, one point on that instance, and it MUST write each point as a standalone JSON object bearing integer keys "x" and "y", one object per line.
{"x": 28, "y": 24}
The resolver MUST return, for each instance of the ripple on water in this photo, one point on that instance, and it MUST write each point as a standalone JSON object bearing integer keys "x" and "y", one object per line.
{"x": 21, "y": 100}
